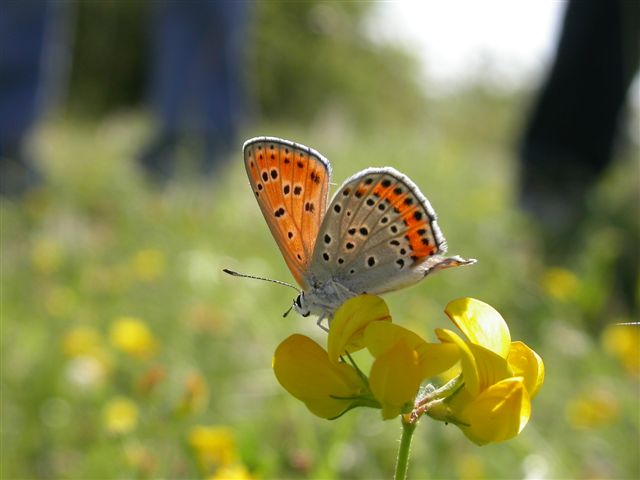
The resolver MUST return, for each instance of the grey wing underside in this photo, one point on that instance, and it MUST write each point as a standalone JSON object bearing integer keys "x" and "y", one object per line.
{"x": 379, "y": 234}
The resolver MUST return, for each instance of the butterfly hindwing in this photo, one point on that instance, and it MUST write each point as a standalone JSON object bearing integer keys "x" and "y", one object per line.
{"x": 378, "y": 231}
{"x": 290, "y": 182}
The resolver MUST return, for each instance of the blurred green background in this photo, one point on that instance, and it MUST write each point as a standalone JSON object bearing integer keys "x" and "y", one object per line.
{"x": 126, "y": 353}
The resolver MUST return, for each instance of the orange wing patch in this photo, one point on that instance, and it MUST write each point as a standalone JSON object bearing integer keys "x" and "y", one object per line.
{"x": 414, "y": 216}
{"x": 291, "y": 184}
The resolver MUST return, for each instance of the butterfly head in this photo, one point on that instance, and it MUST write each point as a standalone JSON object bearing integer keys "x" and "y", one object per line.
{"x": 300, "y": 305}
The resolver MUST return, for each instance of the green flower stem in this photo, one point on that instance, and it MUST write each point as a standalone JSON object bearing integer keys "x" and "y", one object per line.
{"x": 402, "y": 463}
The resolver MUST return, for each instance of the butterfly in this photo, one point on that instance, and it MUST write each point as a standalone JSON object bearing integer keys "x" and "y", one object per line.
{"x": 378, "y": 233}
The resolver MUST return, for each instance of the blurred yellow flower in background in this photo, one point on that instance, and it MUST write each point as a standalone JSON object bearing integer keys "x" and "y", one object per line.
{"x": 623, "y": 343}
{"x": 213, "y": 446}
{"x": 232, "y": 472}
{"x": 592, "y": 409}
{"x": 132, "y": 336}
{"x": 90, "y": 362}
{"x": 148, "y": 264}
{"x": 120, "y": 415}
{"x": 559, "y": 283}
{"x": 82, "y": 340}
{"x": 46, "y": 256}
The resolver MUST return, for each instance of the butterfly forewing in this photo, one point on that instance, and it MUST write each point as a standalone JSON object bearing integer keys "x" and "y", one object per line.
{"x": 378, "y": 228}
{"x": 290, "y": 182}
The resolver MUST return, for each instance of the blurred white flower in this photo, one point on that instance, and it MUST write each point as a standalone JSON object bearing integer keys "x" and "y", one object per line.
{"x": 86, "y": 372}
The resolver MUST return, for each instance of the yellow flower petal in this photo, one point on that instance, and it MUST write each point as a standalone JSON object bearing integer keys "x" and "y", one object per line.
{"x": 303, "y": 368}
{"x": 492, "y": 368}
{"x": 395, "y": 378}
{"x": 481, "y": 324}
{"x": 433, "y": 358}
{"x": 497, "y": 414}
{"x": 350, "y": 321}
{"x": 481, "y": 367}
{"x": 527, "y": 364}
{"x": 381, "y": 336}
{"x": 467, "y": 361}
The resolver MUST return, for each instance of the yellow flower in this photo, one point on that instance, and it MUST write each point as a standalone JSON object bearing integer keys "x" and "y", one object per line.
{"x": 232, "y": 472}
{"x": 329, "y": 387}
{"x": 213, "y": 446}
{"x": 559, "y": 283}
{"x": 433, "y": 358}
{"x": 303, "y": 368}
{"x": 403, "y": 361}
{"x": 81, "y": 341}
{"x": 148, "y": 264}
{"x": 500, "y": 377}
{"x": 351, "y": 320}
{"x": 395, "y": 379}
{"x": 623, "y": 342}
{"x": 490, "y": 399}
{"x": 133, "y": 337}
{"x": 120, "y": 415}
{"x": 90, "y": 362}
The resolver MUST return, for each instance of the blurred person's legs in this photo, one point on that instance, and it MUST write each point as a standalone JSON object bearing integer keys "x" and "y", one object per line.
{"x": 571, "y": 134}
{"x": 172, "y": 47}
{"x": 22, "y": 36}
{"x": 195, "y": 84}
{"x": 222, "y": 85}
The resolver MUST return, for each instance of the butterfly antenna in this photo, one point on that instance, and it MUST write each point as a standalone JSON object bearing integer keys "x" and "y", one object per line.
{"x": 242, "y": 275}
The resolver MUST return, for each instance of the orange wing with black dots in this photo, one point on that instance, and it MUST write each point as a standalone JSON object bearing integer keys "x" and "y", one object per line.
{"x": 380, "y": 234}
{"x": 291, "y": 183}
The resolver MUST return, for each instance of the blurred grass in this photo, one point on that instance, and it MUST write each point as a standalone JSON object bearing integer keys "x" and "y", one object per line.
{"x": 96, "y": 244}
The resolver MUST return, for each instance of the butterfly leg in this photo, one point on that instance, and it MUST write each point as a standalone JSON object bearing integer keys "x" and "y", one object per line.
{"x": 319, "y": 323}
